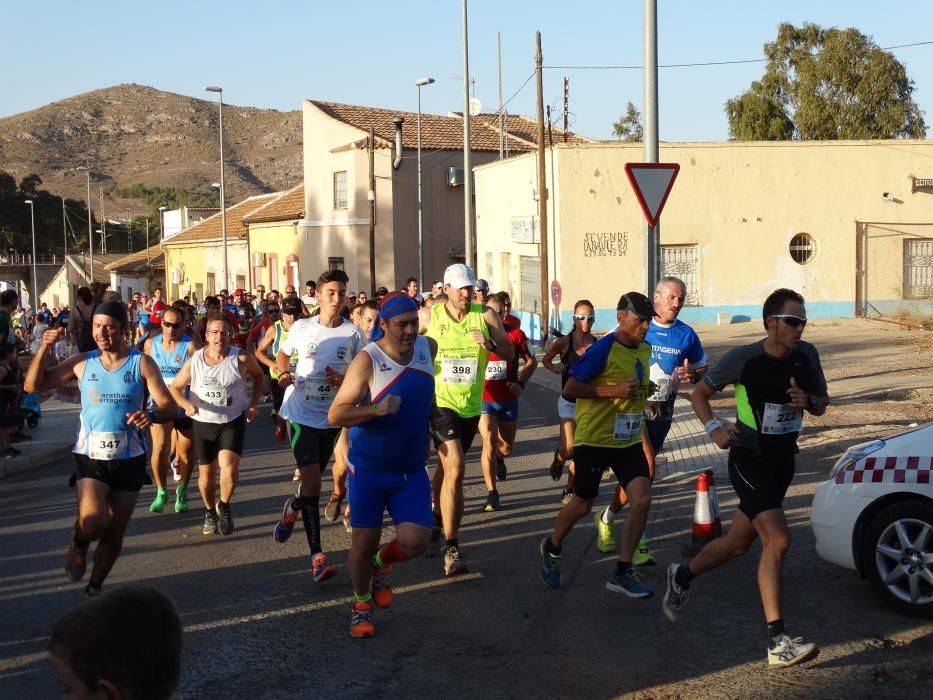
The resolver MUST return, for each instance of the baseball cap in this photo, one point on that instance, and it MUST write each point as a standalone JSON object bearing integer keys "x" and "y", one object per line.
{"x": 482, "y": 285}
{"x": 459, "y": 276}
{"x": 238, "y": 291}
{"x": 438, "y": 285}
{"x": 638, "y": 304}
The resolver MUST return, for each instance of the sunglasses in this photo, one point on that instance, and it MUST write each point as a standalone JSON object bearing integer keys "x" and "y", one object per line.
{"x": 170, "y": 325}
{"x": 791, "y": 320}
{"x": 584, "y": 317}
{"x": 272, "y": 311}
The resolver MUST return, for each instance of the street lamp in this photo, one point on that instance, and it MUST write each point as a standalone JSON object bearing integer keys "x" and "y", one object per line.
{"x": 35, "y": 287}
{"x": 162, "y": 211}
{"x": 90, "y": 235}
{"x": 421, "y": 82}
{"x": 223, "y": 208}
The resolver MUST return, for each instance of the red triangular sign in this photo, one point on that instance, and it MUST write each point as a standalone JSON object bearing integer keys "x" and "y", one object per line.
{"x": 652, "y": 183}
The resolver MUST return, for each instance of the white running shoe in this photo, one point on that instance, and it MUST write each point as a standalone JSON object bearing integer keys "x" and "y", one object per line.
{"x": 791, "y": 650}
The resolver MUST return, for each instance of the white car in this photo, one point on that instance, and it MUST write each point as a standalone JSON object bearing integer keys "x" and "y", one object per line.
{"x": 875, "y": 515}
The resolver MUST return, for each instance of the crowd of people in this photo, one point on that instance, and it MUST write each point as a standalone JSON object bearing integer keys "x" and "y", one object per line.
{"x": 372, "y": 385}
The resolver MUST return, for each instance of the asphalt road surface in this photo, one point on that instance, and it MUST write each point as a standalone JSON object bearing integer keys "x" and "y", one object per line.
{"x": 257, "y": 626}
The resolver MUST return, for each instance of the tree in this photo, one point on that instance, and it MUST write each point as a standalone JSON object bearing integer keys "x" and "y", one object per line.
{"x": 826, "y": 84}
{"x": 628, "y": 128}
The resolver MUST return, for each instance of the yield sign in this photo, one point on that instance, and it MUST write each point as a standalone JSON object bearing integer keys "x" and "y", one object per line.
{"x": 652, "y": 183}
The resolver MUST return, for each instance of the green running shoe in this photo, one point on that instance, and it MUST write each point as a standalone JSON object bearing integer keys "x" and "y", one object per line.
{"x": 181, "y": 499}
{"x": 158, "y": 504}
{"x": 605, "y": 534}
{"x": 643, "y": 555}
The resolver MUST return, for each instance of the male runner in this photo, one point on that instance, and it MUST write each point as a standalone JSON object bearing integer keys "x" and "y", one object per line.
{"x": 775, "y": 380}
{"x": 283, "y": 316}
{"x": 481, "y": 292}
{"x": 465, "y": 334}
{"x": 413, "y": 289}
{"x": 219, "y": 408}
{"x": 325, "y": 344}
{"x": 676, "y": 356}
{"x": 386, "y": 397}
{"x": 498, "y": 423}
{"x": 171, "y": 350}
{"x": 610, "y": 384}
{"x": 110, "y": 452}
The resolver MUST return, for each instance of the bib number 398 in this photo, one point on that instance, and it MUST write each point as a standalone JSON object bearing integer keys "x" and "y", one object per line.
{"x": 627, "y": 427}
{"x": 458, "y": 371}
{"x": 107, "y": 446}
{"x": 779, "y": 419}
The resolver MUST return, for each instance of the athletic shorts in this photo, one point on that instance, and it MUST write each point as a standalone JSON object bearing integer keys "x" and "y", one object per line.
{"x": 312, "y": 445}
{"x": 566, "y": 410}
{"x": 183, "y": 423}
{"x": 119, "y": 474}
{"x": 627, "y": 463}
{"x": 447, "y": 424}
{"x": 406, "y": 496}
{"x": 211, "y": 438}
{"x": 657, "y": 433}
{"x": 506, "y": 411}
{"x": 760, "y": 482}
{"x": 278, "y": 393}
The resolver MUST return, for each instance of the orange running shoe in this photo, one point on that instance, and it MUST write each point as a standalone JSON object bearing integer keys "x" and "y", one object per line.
{"x": 320, "y": 569}
{"x": 361, "y": 620}
{"x": 382, "y": 591}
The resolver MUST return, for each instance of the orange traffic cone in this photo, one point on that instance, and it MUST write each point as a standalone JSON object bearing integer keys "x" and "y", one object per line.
{"x": 714, "y": 502}
{"x": 704, "y": 529}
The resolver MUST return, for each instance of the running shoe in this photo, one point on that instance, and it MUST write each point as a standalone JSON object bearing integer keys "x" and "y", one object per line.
{"x": 210, "y": 523}
{"x": 605, "y": 534}
{"x": 492, "y": 502}
{"x": 283, "y": 528}
{"x": 10, "y": 453}
{"x": 176, "y": 475}
{"x": 181, "y": 499}
{"x": 643, "y": 555}
{"x": 382, "y": 591}
{"x": 556, "y": 469}
{"x": 92, "y": 591}
{"x": 628, "y": 584}
{"x": 675, "y": 597}
{"x": 332, "y": 509}
{"x": 76, "y": 561}
{"x": 320, "y": 569}
{"x": 361, "y": 620}
{"x": 346, "y": 519}
{"x": 566, "y": 495}
{"x": 158, "y": 504}
{"x": 789, "y": 651}
{"x": 224, "y": 519}
{"x": 434, "y": 544}
{"x": 454, "y": 563}
{"x": 502, "y": 473}
{"x": 550, "y": 566}
{"x": 279, "y": 433}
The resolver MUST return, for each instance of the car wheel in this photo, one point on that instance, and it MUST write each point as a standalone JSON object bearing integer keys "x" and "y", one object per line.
{"x": 898, "y": 556}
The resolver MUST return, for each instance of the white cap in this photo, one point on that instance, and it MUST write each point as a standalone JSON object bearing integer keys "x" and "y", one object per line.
{"x": 438, "y": 285}
{"x": 459, "y": 276}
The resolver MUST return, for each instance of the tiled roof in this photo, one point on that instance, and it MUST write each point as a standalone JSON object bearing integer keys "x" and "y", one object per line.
{"x": 210, "y": 229}
{"x": 287, "y": 206}
{"x": 138, "y": 261}
{"x": 439, "y": 132}
{"x": 82, "y": 263}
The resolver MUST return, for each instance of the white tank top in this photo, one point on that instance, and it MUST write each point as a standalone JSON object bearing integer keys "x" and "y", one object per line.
{"x": 218, "y": 391}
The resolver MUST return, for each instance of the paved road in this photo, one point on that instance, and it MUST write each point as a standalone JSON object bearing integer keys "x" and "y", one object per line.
{"x": 258, "y": 627}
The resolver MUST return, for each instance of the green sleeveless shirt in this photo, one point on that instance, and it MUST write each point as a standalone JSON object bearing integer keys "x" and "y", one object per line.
{"x": 460, "y": 365}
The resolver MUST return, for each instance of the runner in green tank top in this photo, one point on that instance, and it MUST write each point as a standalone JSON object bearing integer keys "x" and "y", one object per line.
{"x": 465, "y": 334}
{"x": 274, "y": 336}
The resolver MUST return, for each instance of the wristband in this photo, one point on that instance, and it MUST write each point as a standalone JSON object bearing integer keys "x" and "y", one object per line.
{"x": 712, "y": 425}
{"x": 372, "y": 408}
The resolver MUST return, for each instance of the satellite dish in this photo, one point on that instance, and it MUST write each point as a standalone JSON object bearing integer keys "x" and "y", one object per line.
{"x": 475, "y": 106}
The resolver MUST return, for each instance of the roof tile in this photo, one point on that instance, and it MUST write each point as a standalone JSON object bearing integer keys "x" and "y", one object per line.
{"x": 287, "y": 206}
{"x": 209, "y": 229}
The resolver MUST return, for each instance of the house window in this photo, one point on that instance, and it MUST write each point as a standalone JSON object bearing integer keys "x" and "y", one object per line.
{"x": 918, "y": 268}
{"x": 211, "y": 283}
{"x": 682, "y": 262}
{"x": 241, "y": 281}
{"x": 802, "y": 248}
{"x": 273, "y": 271}
{"x": 335, "y": 264}
{"x": 340, "y": 189}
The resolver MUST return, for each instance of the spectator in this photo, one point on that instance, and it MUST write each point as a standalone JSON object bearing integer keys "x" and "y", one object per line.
{"x": 310, "y": 296}
{"x": 8, "y": 302}
{"x": 10, "y": 386}
{"x": 79, "y": 325}
{"x": 413, "y": 289}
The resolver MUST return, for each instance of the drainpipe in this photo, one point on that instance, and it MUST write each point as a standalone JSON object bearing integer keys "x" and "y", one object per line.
{"x": 398, "y": 142}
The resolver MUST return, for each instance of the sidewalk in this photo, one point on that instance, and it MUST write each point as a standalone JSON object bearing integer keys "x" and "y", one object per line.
{"x": 52, "y": 439}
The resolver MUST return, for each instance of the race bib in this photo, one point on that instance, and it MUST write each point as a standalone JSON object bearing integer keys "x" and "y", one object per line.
{"x": 106, "y": 445}
{"x": 213, "y": 395}
{"x": 315, "y": 389}
{"x": 458, "y": 371}
{"x": 627, "y": 427}
{"x": 496, "y": 370}
{"x": 779, "y": 419}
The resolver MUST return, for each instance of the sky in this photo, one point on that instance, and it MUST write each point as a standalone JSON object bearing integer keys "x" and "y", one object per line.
{"x": 274, "y": 54}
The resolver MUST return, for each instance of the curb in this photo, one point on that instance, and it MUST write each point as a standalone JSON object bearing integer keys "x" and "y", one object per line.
{"x": 25, "y": 462}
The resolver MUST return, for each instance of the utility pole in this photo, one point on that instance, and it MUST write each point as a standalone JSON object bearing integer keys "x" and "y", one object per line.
{"x": 371, "y": 146}
{"x": 542, "y": 191}
{"x": 65, "y": 227}
{"x": 652, "y": 234}
{"x": 566, "y": 106}
{"x": 501, "y": 113}
{"x": 103, "y": 223}
{"x": 469, "y": 247}
{"x": 129, "y": 232}
{"x": 148, "y": 253}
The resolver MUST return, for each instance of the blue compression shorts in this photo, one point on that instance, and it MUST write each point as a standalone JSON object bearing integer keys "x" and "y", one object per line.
{"x": 406, "y": 496}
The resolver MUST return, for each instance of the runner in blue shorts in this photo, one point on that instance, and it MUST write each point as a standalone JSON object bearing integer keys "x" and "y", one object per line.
{"x": 385, "y": 399}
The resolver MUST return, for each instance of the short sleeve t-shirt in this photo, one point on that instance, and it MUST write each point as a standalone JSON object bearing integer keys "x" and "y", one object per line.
{"x": 500, "y": 372}
{"x": 612, "y": 422}
{"x": 158, "y": 307}
{"x": 765, "y": 421}
{"x": 309, "y": 397}
{"x": 671, "y": 346}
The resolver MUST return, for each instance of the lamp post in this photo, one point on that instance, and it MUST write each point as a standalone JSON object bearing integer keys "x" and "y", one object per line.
{"x": 90, "y": 233}
{"x": 35, "y": 287}
{"x": 421, "y": 82}
{"x": 223, "y": 208}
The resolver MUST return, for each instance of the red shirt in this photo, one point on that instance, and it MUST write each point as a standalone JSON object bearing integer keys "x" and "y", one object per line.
{"x": 155, "y": 316}
{"x": 259, "y": 330}
{"x": 500, "y": 372}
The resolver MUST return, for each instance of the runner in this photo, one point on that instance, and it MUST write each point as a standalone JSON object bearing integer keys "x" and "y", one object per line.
{"x": 283, "y": 317}
{"x": 325, "y": 344}
{"x": 110, "y": 452}
{"x": 498, "y": 423}
{"x": 219, "y": 408}
{"x": 610, "y": 384}
{"x": 386, "y": 397}
{"x": 481, "y": 291}
{"x": 170, "y": 350}
{"x": 775, "y": 380}
{"x": 677, "y": 357}
{"x": 465, "y": 334}
{"x": 569, "y": 348}
{"x": 245, "y": 313}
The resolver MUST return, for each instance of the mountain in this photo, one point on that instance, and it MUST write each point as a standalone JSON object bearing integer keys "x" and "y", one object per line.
{"x": 134, "y": 133}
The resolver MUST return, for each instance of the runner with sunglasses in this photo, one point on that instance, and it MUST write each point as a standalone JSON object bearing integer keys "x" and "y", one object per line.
{"x": 775, "y": 380}
{"x": 569, "y": 348}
